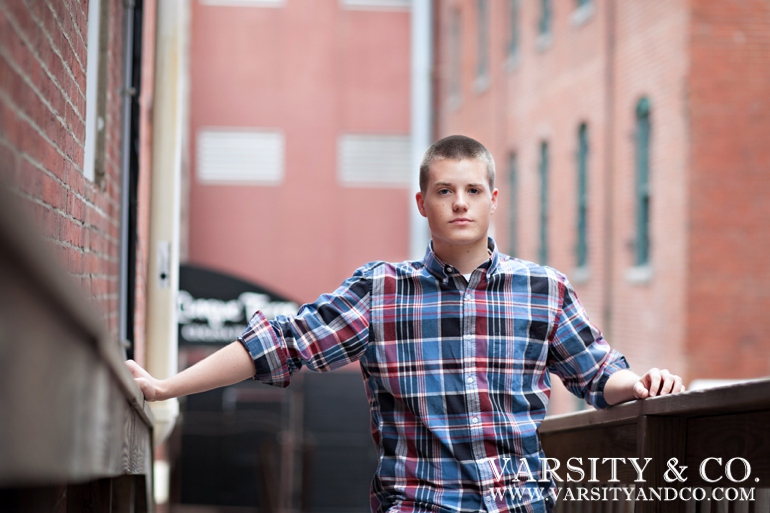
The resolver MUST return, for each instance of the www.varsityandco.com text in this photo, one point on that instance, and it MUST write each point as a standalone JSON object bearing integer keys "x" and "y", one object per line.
{"x": 729, "y": 480}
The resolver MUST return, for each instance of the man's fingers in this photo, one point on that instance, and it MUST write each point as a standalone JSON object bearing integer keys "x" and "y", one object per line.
{"x": 653, "y": 379}
{"x": 672, "y": 384}
{"x": 640, "y": 392}
{"x": 134, "y": 367}
{"x": 677, "y": 386}
{"x": 143, "y": 380}
{"x": 666, "y": 383}
{"x": 662, "y": 382}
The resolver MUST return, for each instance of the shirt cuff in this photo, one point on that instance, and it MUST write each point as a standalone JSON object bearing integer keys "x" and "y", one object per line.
{"x": 616, "y": 362}
{"x": 267, "y": 351}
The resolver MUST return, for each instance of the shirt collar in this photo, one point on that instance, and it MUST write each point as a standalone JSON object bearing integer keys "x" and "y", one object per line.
{"x": 443, "y": 271}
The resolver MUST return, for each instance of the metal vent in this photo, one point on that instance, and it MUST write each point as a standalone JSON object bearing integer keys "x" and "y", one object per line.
{"x": 374, "y": 160}
{"x": 248, "y": 156}
{"x": 376, "y": 4}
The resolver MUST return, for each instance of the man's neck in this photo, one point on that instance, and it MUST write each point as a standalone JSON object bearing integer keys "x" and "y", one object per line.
{"x": 463, "y": 258}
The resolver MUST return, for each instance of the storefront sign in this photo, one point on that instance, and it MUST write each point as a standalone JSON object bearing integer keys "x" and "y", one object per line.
{"x": 214, "y": 308}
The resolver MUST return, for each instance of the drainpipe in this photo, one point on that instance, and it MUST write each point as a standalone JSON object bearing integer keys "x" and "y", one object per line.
{"x": 170, "y": 106}
{"x": 125, "y": 173}
{"x": 609, "y": 154}
{"x": 421, "y": 35}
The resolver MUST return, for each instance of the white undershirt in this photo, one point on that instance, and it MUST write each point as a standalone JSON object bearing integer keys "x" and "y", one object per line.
{"x": 467, "y": 277}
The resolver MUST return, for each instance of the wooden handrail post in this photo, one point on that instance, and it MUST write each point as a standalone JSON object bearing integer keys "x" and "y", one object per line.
{"x": 663, "y": 439}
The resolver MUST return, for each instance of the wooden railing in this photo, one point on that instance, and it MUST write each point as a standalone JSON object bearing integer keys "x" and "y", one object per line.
{"x": 75, "y": 432}
{"x": 711, "y": 438}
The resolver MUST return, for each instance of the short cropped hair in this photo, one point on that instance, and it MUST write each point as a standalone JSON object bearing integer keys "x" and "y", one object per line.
{"x": 457, "y": 147}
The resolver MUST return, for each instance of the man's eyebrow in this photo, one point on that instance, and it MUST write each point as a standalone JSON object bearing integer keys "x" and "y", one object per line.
{"x": 449, "y": 184}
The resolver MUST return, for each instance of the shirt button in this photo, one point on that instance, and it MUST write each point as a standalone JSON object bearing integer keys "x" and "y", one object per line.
{"x": 448, "y": 269}
{"x": 475, "y": 420}
{"x": 470, "y": 379}
{"x": 488, "y": 498}
{"x": 468, "y": 298}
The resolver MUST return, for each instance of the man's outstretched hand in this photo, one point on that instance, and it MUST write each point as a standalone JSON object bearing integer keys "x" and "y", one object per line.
{"x": 227, "y": 366}
{"x": 149, "y": 386}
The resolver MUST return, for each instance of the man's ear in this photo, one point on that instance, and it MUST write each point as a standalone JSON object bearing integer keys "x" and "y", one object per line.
{"x": 420, "y": 198}
{"x": 494, "y": 200}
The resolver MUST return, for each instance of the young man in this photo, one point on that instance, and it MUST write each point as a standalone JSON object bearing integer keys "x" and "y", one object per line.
{"x": 455, "y": 351}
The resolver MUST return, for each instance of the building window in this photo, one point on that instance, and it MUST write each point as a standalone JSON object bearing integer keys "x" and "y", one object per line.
{"x": 375, "y": 4}
{"x": 643, "y": 127}
{"x": 543, "y": 249}
{"x": 584, "y": 10}
{"x": 582, "y": 197}
{"x": 544, "y": 25}
{"x": 482, "y": 52}
{"x": 231, "y": 156}
{"x": 455, "y": 56}
{"x": 374, "y": 160}
{"x": 513, "y": 29}
{"x": 244, "y": 3}
{"x": 96, "y": 91}
{"x": 513, "y": 208}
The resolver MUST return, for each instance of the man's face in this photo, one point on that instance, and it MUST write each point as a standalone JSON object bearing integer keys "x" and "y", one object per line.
{"x": 457, "y": 202}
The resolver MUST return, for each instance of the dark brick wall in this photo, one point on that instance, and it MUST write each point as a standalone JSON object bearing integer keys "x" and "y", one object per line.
{"x": 42, "y": 136}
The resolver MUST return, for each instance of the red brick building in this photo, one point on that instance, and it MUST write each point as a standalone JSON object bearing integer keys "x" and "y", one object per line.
{"x": 629, "y": 145}
{"x": 77, "y": 85}
{"x": 330, "y": 187}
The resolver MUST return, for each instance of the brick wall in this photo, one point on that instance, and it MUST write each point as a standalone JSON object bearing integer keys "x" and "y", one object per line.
{"x": 703, "y": 66}
{"x": 700, "y": 306}
{"x": 729, "y": 275}
{"x": 42, "y": 132}
{"x": 650, "y": 61}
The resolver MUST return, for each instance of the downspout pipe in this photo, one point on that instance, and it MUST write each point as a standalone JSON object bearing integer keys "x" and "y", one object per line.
{"x": 609, "y": 182}
{"x": 170, "y": 108}
{"x": 421, "y": 65}
{"x": 128, "y": 93}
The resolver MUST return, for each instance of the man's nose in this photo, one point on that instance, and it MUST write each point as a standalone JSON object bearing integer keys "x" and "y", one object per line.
{"x": 460, "y": 203}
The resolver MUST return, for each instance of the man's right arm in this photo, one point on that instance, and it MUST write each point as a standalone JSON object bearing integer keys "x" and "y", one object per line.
{"x": 231, "y": 364}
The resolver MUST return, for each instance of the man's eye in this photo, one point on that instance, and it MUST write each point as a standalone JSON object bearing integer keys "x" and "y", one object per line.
{"x": 473, "y": 191}
{"x": 443, "y": 191}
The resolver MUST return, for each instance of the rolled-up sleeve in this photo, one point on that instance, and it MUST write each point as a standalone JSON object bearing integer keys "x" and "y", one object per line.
{"x": 324, "y": 335}
{"x": 578, "y": 353}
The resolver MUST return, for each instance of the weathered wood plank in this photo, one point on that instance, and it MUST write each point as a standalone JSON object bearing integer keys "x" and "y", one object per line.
{"x": 744, "y": 435}
{"x": 751, "y": 395}
{"x": 617, "y": 441}
{"x": 71, "y": 412}
{"x": 663, "y": 439}
{"x": 64, "y": 416}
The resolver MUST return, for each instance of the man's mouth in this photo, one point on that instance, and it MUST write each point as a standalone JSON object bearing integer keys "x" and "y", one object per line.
{"x": 461, "y": 220}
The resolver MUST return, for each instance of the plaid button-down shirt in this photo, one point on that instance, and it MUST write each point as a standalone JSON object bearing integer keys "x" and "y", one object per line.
{"x": 456, "y": 372}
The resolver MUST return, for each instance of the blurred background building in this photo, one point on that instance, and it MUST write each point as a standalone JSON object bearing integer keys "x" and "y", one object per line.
{"x": 275, "y": 142}
{"x": 628, "y": 142}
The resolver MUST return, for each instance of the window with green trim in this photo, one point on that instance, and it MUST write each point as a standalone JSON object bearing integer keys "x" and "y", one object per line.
{"x": 544, "y": 24}
{"x": 643, "y": 127}
{"x": 581, "y": 248}
{"x": 513, "y": 209}
{"x": 513, "y": 29}
{"x": 482, "y": 26}
{"x": 543, "y": 249}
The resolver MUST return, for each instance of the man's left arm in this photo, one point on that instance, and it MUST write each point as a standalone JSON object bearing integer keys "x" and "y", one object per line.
{"x": 580, "y": 356}
{"x": 625, "y": 385}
